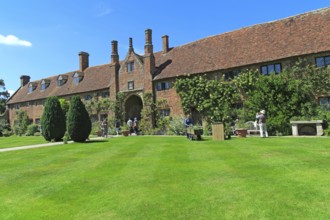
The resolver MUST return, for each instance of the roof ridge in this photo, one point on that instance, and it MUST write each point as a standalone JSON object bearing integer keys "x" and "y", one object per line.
{"x": 317, "y": 11}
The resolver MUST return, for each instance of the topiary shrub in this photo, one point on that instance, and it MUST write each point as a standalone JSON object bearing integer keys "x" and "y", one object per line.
{"x": 53, "y": 120}
{"x": 79, "y": 125}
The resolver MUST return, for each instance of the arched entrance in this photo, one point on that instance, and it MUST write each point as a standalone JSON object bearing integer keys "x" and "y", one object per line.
{"x": 133, "y": 107}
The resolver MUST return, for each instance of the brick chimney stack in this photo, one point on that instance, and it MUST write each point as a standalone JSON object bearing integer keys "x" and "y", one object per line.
{"x": 165, "y": 44}
{"x": 83, "y": 60}
{"x": 114, "y": 53}
{"x": 148, "y": 48}
{"x": 130, "y": 44}
{"x": 24, "y": 80}
{"x": 149, "y": 62}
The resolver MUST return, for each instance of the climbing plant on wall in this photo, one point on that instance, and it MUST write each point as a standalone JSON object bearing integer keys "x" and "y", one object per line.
{"x": 211, "y": 98}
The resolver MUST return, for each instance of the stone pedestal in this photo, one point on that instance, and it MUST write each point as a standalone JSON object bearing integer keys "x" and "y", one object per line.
{"x": 313, "y": 127}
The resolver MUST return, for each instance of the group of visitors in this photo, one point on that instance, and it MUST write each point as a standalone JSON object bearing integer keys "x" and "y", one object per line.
{"x": 260, "y": 121}
{"x": 133, "y": 126}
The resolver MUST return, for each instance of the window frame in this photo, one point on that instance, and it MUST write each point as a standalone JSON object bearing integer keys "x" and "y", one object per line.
{"x": 77, "y": 78}
{"x": 230, "y": 75}
{"x": 164, "y": 112}
{"x": 44, "y": 85}
{"x": 130, "y": 67}
{"x": 130, "y": 85}
{"x": 31, "y": 87}
{"x": 324, "y": 61}
{"x": 163, "y": 86}
{"x": 61, "y": 80}
{"x": 105, "y": 94}
{"x": 326, "y": 105}
{"x": 88, "y": 97}
{"x": 271, "y": 68}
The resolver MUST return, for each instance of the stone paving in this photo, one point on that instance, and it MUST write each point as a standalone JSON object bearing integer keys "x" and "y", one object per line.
{"x": 42, "y": 145}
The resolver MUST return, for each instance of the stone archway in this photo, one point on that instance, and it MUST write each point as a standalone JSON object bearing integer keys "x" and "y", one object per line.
{"x": 133, "y": 107}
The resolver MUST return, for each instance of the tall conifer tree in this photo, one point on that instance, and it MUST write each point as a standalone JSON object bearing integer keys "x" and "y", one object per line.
{"x": 53, "y": 120}
{"x": 79, "y": 125}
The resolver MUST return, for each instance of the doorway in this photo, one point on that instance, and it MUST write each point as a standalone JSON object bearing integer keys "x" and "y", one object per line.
{"x": 133, "y": 107}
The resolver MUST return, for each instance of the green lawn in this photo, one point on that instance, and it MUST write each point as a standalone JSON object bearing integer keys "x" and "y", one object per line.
{"x": 169, "y": 178}
{"x": 16, "y": 141}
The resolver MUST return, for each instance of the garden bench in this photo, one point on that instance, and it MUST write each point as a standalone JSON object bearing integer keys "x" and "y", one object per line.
{"x": 251, "y": 128}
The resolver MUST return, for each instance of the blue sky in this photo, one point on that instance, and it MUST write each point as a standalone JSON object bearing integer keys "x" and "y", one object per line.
{"x": 42, "y": 38}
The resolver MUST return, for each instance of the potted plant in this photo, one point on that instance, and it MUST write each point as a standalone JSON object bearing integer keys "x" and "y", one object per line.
{"x": 125, "y": 130}
{"x": 194, "y": 131}
{"x": 241, "y": 129}
{"x": 198, "y": 130}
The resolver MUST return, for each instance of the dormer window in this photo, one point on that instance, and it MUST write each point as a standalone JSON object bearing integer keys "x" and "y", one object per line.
{"x": 77, "y": 77}
{"x": 44, "y": 84}
{"x": 130, "y": 67}
{"x": 32, "y": 87}
{"x": 61, "y": 80}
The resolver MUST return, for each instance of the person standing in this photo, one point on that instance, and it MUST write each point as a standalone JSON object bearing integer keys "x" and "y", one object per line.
{"x": 187, "y": 123}
{"x": 261, "y": 117}
{"x": 135, "y": 126}
{"x": 130, "y": 125}
{"x": 117, "y": 126}
{"x": 105, "y": 128}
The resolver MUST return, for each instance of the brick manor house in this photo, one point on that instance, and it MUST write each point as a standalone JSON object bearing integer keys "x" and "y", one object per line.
{"x": 268, "y": 47}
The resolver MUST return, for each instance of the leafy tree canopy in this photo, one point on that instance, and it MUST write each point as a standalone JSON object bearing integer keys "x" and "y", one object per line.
{"x": 4, "y": 95}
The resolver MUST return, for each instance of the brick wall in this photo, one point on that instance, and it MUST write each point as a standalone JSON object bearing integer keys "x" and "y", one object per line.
{"x": 137, "y": 76}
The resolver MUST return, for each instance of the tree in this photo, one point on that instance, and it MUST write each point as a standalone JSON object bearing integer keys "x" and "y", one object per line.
{"x": 21, "y": 122}
{"x": 292, "y": 93}
{"x": 4, "y": 95}
{"x": 79, "y": 124}
{"x": 116, "y": 109}
{"x": 64, "y": 105}
{"x": 147, "y": 114}
{"x": 212, "y": 98}
{"x": 53, "y": 120}
{"x": 97, "y": 105}
{"x": 283, "y": 96}
{"x": 194, "y": 93}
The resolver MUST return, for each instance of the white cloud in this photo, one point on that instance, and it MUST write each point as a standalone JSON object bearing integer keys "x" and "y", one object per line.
{"x": 11, "y": 92}
{"x": 13, "y": 40}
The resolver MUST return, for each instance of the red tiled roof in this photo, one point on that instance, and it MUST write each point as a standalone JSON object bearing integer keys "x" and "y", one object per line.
{"x": 95, "y": 78}
{"x": 298, "y": 35}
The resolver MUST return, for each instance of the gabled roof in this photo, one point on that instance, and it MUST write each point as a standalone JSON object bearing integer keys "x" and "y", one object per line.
{"x": 298, "y": 35}
{"x": 303, "y": 34}
{"x": 94, "y": 78}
